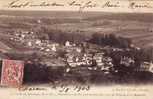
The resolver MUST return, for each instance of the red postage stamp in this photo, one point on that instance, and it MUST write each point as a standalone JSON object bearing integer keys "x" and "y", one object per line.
{"x": 12, "y": 73}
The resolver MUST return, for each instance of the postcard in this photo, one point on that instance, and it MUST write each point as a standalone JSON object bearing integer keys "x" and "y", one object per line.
{"x": 68, "y": 49}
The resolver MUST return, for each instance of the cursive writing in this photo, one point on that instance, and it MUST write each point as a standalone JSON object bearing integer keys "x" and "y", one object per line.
{"x": 110, "y": 4}
{"x": 32, "y": 89}
{"x": 16, "y": 4}
{"x": 77, "y": 88}
{"x": 134, "y": 5}
{"x": 66, "y": 88}
{"x": 46, "y": 4}
{"x": 81, "y": 5}
{"x": 19, "y": 4}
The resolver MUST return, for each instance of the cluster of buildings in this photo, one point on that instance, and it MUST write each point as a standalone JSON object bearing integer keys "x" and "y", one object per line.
{"x": 94, "y": 61}
{"x": 76, "y": 55}
{"x": 31, "y": 40}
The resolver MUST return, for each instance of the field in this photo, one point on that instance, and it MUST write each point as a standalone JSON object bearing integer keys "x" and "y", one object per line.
{"x": 137, "y": 27}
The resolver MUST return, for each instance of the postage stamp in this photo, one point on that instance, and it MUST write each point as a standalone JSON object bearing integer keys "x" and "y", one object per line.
{"x": 12, "y": 73}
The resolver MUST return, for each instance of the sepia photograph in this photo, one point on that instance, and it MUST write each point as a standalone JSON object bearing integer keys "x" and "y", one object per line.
{"x": 81, "y": 49}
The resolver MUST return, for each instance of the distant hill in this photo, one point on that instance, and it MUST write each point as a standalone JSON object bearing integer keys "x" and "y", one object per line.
{"x": 138, "y": 27}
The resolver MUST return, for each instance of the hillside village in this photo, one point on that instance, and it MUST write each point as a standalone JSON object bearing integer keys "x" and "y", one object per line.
{"x": 75, "y": 56}
{"x": 71, "y": 53}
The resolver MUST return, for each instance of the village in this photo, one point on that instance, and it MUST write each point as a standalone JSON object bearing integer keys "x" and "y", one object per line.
{"x": 75, "y": 54}
{"x": 76, "y": 57}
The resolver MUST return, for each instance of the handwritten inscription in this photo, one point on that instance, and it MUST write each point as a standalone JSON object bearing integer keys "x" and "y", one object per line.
{"x": 60, "y": 88}
{"x": 32, "y": 89}
{"x": 81, "y": 5}
{"x": 110, "y": 4}
{"x": 77, "y": 88}
{"x": 137, "y": 5}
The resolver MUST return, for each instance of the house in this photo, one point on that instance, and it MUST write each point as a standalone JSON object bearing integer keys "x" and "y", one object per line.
{"x": 98, "y": 57}
{"x": 54, "y": 48}
{"x": 67, "y": 43}
{"x": 38, "y": 42}
{"x": 78, "y": 50}
{"x": 70, "y": 59}
{"x": 127, "y": 61}
{"x": 146, "y": 66}
{"x": 151, "y": 67}
{"x": 29, "y": 43}
{"x": 47, "y": 50}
